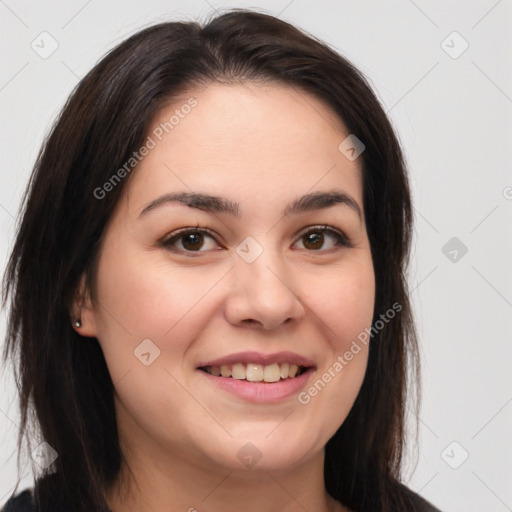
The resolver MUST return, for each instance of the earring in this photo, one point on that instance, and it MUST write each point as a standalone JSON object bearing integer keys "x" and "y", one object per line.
{"x": 78, "y": 323}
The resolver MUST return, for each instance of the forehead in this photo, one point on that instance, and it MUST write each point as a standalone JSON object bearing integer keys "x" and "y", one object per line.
{"x": 269, "y": 141}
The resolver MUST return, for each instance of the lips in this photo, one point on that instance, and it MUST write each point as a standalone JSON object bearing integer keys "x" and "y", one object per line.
{"x": 259, "y": 378}
{"x": 254, "y": 372}
{"x": 258, "y": 358}
{"x": 257, "y": 367}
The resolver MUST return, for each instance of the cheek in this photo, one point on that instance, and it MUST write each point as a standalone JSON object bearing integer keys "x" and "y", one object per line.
{"x": 166, "y": 304}
{"x": 343, "y": 298}
{"x": 140, "y": 300}
{"x": 343, "y": 302}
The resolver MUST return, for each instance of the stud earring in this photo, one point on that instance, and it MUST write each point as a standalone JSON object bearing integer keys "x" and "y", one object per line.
{"x": 78, "y": 323}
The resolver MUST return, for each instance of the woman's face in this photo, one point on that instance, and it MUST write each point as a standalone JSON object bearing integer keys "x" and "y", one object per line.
{"x": 260, "y": 290}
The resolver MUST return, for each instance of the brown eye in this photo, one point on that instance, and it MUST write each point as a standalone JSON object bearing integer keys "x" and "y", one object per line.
{"x": 315, "y": 238}
{"x": 192, "y": 241}
{"x": 189, "y": 240}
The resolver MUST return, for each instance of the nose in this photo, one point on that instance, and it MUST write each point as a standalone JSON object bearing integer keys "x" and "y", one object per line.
{"x": 263, "y": 294}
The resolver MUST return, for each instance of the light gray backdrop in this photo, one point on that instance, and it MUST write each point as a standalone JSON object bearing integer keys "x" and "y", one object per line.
{"x": 442, "y": 70}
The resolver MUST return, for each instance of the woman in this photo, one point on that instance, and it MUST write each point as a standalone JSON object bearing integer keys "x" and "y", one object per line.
{"x": 208, "y": 282}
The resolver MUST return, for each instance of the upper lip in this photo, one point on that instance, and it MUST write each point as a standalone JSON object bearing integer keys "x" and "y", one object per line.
{"x": 259, "y": 358}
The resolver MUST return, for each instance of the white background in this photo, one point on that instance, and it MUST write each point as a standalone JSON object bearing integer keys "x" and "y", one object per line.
{"x": 453, "y": 116}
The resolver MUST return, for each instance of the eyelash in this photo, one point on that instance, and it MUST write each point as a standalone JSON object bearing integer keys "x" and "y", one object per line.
{"x": 341, "y": 239}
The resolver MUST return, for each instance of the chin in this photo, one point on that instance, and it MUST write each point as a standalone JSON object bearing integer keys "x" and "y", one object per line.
{"x": 250, "y": 453}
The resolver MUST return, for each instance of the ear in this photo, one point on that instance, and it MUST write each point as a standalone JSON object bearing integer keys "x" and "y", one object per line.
{"x": 82, "y": 309}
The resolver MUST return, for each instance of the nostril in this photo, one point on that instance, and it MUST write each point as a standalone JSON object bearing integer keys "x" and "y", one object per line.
{"x": 250, "y": 321}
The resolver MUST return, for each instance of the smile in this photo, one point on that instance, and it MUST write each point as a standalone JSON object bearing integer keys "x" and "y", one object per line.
{"x": 254, "y": 372}
{"x": 258, "y": 378}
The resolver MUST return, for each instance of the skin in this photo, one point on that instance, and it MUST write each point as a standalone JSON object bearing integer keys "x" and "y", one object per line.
{"x": 262, "y": 146}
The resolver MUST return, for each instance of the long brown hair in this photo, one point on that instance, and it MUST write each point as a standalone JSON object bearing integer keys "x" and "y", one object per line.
{"x": 64, "y": 383}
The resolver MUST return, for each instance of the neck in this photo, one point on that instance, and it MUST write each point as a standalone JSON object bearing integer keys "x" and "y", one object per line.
{"x": 155, "y": 480}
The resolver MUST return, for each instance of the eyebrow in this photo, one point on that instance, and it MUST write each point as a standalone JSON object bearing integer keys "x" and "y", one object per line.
{"x": 216, "y": 204}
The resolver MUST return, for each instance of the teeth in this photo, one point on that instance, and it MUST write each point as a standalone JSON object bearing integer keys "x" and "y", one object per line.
{"x": 255, "y": 372}
{"x": 238, "y": 371}
{"x": 272, "y": 373}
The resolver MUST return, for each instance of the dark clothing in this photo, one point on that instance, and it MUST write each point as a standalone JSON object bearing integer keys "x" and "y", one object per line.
{"x": 22, "y": 502}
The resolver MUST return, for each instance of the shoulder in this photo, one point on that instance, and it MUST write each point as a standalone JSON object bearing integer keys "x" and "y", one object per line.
{"x": 21, "y": 502}
{"x": 420, "y": 504}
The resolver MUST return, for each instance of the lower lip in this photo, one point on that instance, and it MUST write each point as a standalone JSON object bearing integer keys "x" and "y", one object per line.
{"x": 260, "y": 392}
